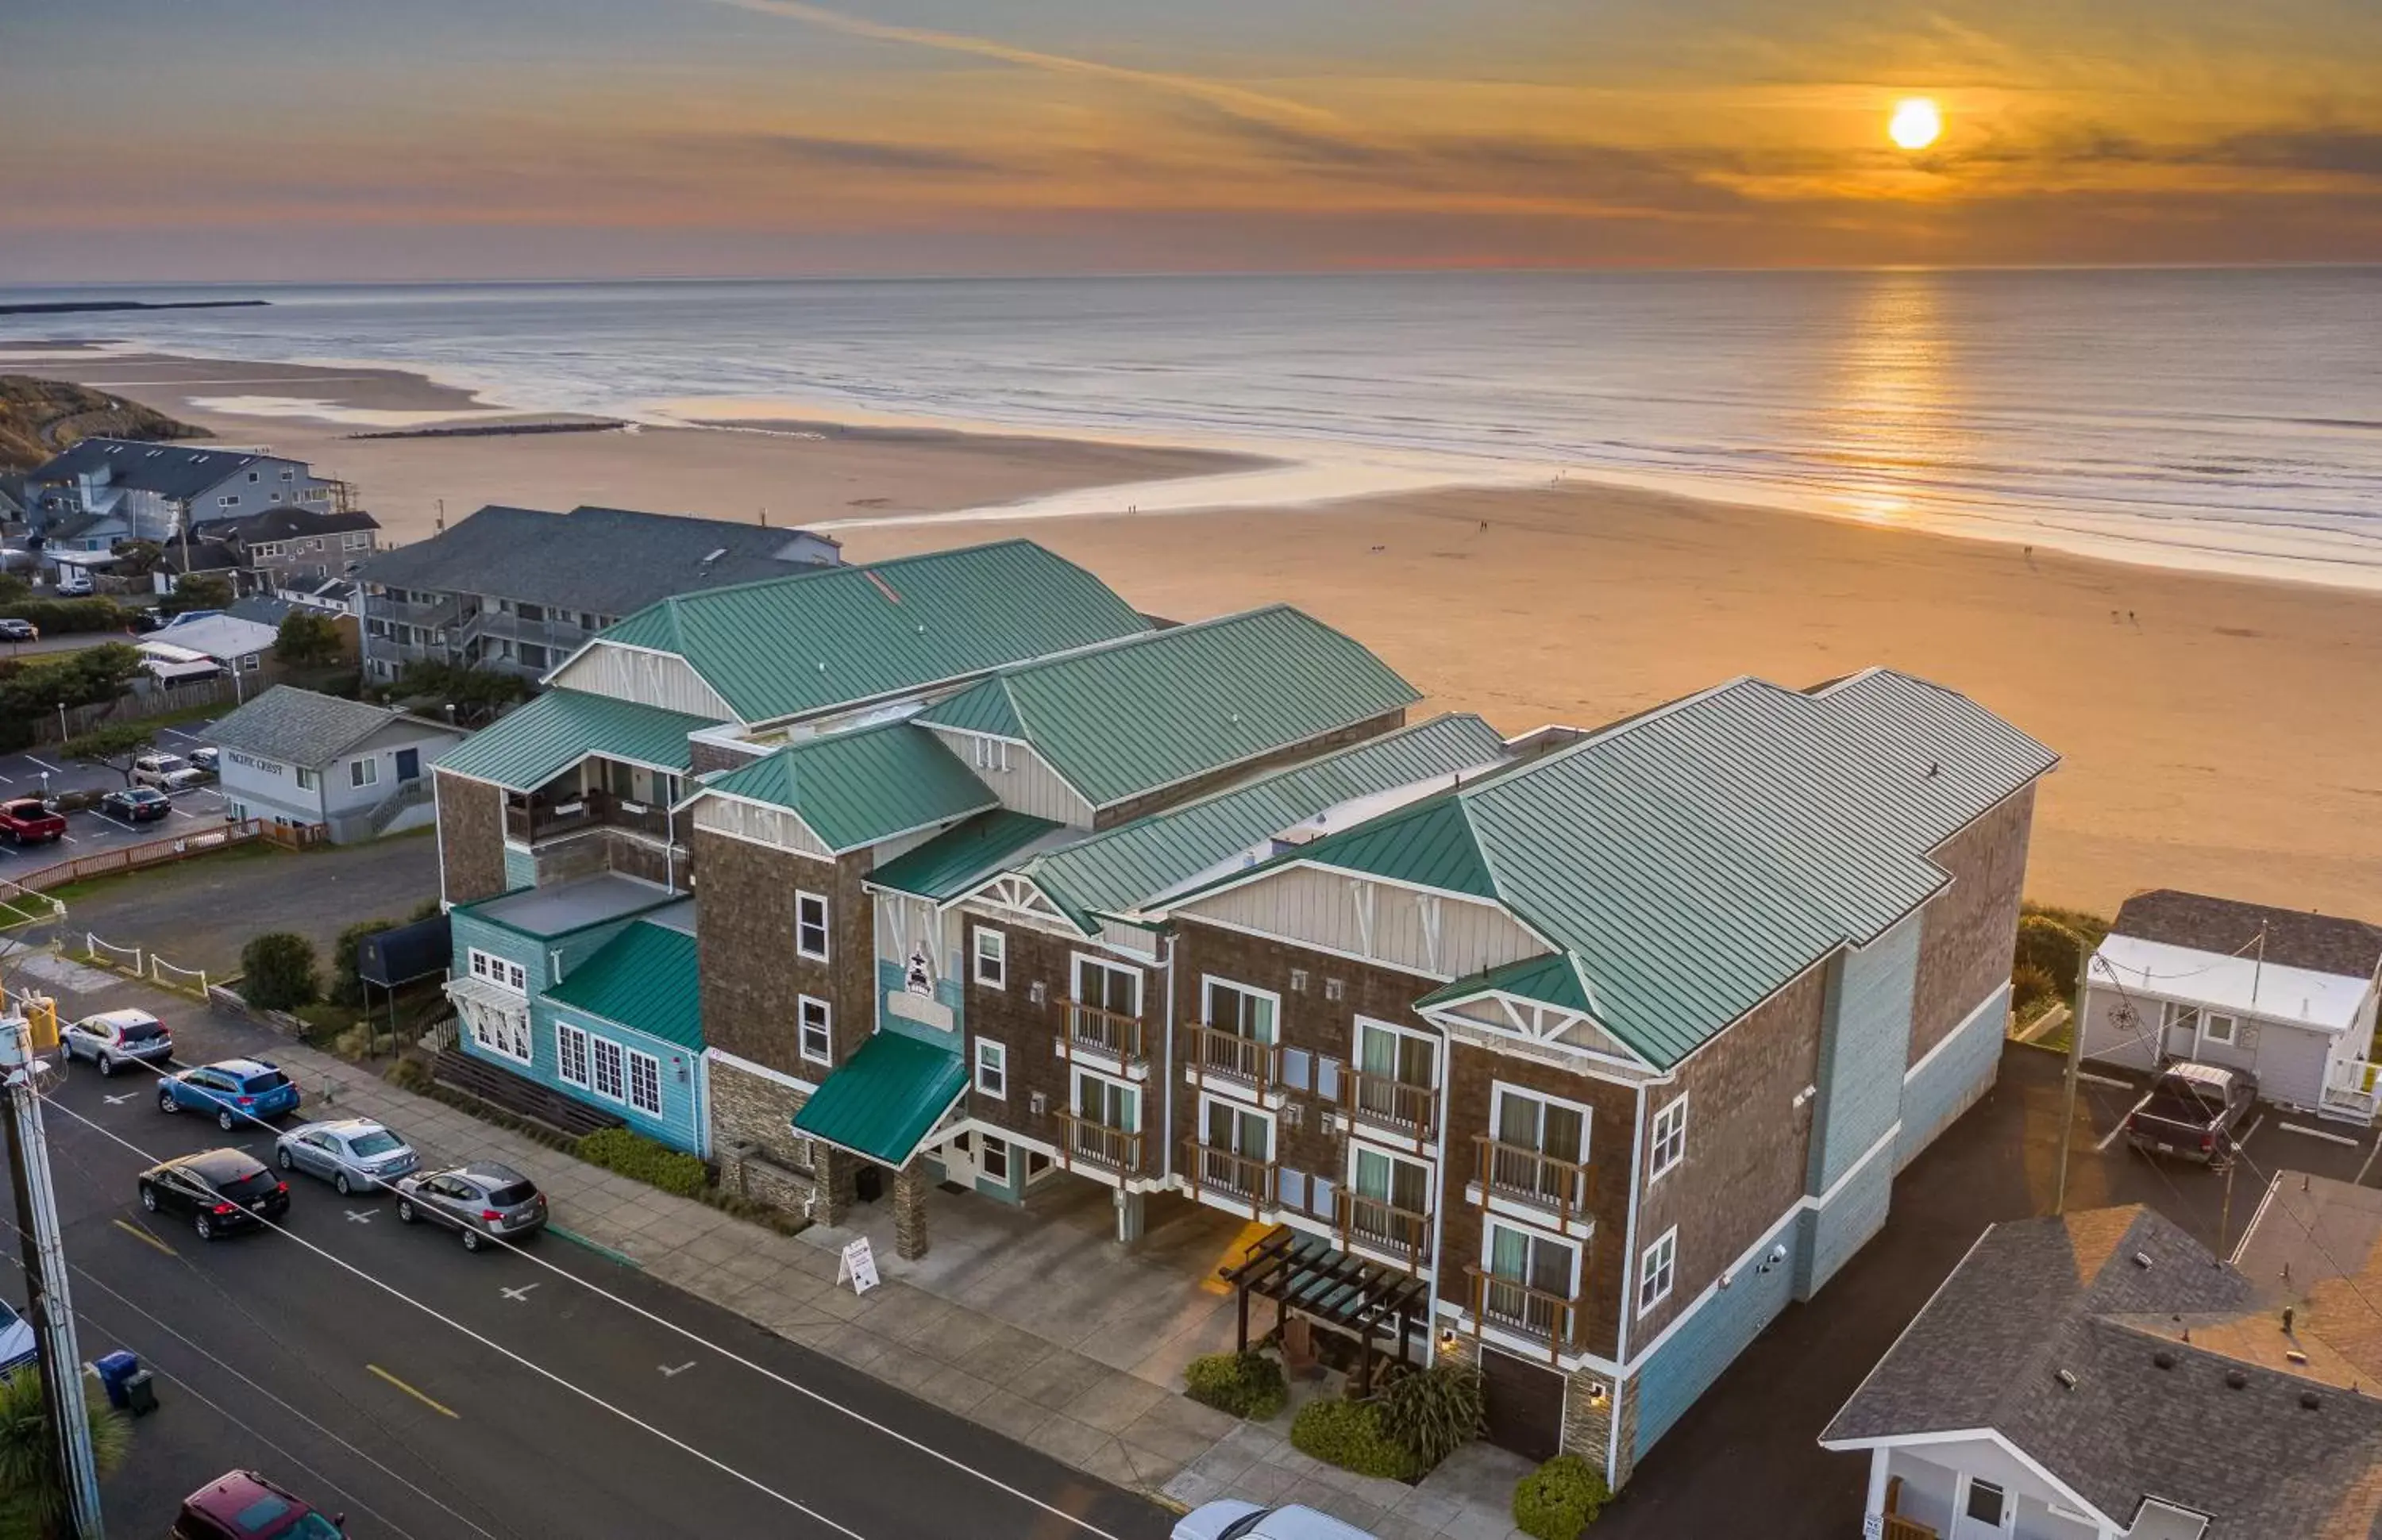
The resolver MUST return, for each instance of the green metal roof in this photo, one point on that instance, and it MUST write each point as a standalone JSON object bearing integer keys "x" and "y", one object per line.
{"x": 1690, "y": 862}
{"x": 1550, "y": 977}
{"x": 797, "y": 644}
{"x": 1121, "y": 869}
{"x": 538, "y": 741}
{"x": 645, "y": 978}
{"x": 884, "y": 1099}
{"x": 1128, "y": 718}
{"x": 855, "y": 789}
{"x": 959, "y": 858}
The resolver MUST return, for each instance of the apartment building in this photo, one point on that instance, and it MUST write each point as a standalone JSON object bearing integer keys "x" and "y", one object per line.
{"x": 159, "y": 492}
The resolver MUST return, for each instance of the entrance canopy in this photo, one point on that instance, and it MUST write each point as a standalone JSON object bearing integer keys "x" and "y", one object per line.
{"x": 1305, "y": 1273}
{"x": 886, "y": 1099}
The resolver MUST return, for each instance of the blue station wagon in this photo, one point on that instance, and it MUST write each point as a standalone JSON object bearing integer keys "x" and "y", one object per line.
{"x": 235, "y": 1090}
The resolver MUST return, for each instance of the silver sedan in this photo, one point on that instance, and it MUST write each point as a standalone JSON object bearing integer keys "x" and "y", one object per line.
{"x": 353, "y": 1154}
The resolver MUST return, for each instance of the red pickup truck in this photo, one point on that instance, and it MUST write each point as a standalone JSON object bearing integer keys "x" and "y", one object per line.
{"x": 27, "y": 822}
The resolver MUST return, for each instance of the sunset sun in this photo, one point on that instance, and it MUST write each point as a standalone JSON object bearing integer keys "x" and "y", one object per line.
{"x": 1916, "y": 123}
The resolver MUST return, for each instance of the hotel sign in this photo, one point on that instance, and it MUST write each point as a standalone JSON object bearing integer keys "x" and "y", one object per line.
{"x": 250, "y": 762}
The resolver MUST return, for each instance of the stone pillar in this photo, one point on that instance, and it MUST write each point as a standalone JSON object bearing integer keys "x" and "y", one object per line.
{"x": 1129, "y": 1219}
{"x": 834, "y": 1185}
{"x": 910, "y": 1210}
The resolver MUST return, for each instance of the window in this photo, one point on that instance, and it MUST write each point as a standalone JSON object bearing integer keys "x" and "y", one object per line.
{"x": 530, "y": 612}
{"x": 2222, "y": 1029}
{"x": 306, "y": 779}
{"x": 1670, "y": 1137}
{"x": 1985, "y": 1502}
{"x": 992, "y": 958}
{"x": 1658, "y": 1269}
{"x": 607, "y": 1068}
{"x": 1109, "y": 1103}
{"x": 230, "y": 500}
{"x": 570, "y": 1053}
{"x": 1240, "y": 1010}
{"x": 499, "y": 1030}
{"x": 363, "y": 772}
{"x": 251, "y": 662}
{"x": 1235, "y": 1147}
{"x": 993, "y": 1157}
{"x": 2185, "y": 1017}
{"x": 356, "y": 541}
{"x": 810, "y": 927}
{"x": 1393, "y": 1068}
{"x": 814, "y": 1040}
{"x": 992, "y": 1068}
{"x": 288, "y": 475}
{"x": 255, "y": 476}
{"x": 645, "y": 1083}
{"x": 499, "y": 971}
{"x": 1530, "y": 1277}
{"x": 1389, "y": 1200}
{"x": 318, "y": 494}
{"x": 534, "y": 657}
{"x": 276, "y": 496}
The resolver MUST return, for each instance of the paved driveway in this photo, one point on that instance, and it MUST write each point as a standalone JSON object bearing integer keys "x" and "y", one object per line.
{"x": 40, "y": 772}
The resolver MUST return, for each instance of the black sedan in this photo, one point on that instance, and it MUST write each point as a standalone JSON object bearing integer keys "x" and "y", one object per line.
{"x": 218, "y": 1191}
{"x": 137, "y": 804}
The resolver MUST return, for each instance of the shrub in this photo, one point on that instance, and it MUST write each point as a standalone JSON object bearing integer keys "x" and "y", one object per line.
{"x": 1433, "y": 1413}
{"x": 1560, "y": 1498}
{"x": 634, "y": 1155}
{"x": 1349, "y": 1434}
{"x": 409, "y": 1074}
{"x": 2032, "y": 990}
{"x": 277, "y": 971}
{"x": 2047, "y": 945}
{"x": 347, "y": 988}
{"x": 197, "y": 591}
{"x": 307, "y": 639}
{"x": 1247, "y": 1385}
{"x": 60, "y": 616}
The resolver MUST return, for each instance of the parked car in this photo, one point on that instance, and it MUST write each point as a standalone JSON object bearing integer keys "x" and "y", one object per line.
{"x": 235, "y": 1090}
{"x": 114, "y": 1038}
{"x": 18, "y": 631}
{"x": 480, "y": 1199}
{"x": 137, "y": 804}
{"x": 150, "y": 619}
{"x": 2192, "y": 1110}
{"x": 27, "y": 822}
{"x": 218, "y": 1191}
{"x": 241, "y": 1505}
{"x": 353, "y": 1154}
{"x": 1232, "y": 1518}
{"x": 166, "y": 771}
{"x": 209, "y": 759}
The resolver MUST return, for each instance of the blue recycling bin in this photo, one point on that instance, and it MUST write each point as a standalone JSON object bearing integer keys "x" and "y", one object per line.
{"x": 114, "y": 1369}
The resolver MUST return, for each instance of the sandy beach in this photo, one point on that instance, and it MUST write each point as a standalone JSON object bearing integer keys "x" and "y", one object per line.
{"x": 2219, "y": 734}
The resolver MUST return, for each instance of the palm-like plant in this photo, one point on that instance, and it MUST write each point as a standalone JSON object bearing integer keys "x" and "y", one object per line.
{"x": 32, "y": 1495}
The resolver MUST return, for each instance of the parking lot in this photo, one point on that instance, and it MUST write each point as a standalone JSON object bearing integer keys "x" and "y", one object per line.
{"x": 40, "y": 772}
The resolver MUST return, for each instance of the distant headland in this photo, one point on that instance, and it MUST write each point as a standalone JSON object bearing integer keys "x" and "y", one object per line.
{"x": 79, "y": 307}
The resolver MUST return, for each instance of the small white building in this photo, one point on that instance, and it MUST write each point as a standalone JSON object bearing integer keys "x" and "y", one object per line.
{"x": 296, "y": 758}
{"x": 240, "y": 647}
{"x": 2287, "y": 996}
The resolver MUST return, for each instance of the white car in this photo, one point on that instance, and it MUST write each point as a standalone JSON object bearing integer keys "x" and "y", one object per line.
{"x": 114, "y": 1038}
{"x": 1231, "y": 1519}
{"x": 167, "y": 773}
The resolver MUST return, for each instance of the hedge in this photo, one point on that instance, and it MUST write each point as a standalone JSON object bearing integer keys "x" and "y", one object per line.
{"x": 634, "y": 1155}
{"x": 58, "y": 617}
{"x": 1247, "y": 1385}
{"x": 1349, "y": 1434}
{"x": 1560, "y": 1498}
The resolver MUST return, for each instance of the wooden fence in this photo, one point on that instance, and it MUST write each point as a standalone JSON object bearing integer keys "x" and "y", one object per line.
{"x": 156, "y": 852}
{"x": 142, "y": 702}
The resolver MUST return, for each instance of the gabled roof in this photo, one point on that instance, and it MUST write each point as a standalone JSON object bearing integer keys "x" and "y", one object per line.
{"x": 292, "y": 520}
{"x": 301, "y": 727}
{"x": 643, "y": 978}
{"x": 883, "y": 1101}
{"x": 2129, "y": 1307}
{"x": 2293, "y": 939}
{"x": 1691, "y": 861}
{"x": 167, "y": 470}
{"x": 541, "y": 740}
{"x": 842, "y": 634}
{"x": 964, "y": 856}
{"x": 855, "y": 789}
{"x": 1158, "y": 709}
{"x": 219, "y": 635}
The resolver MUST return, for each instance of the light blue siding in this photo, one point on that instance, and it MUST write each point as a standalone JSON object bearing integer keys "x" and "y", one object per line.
{"x": 1961, "y": 1069}
{"x": 680, "y": 1123}
{"x": 1864, "y": 1043}
{"x": 1834, "y": 1231}
{"x": 947, "y": 994}
{"x": 521, "y": 869}
{"x": 1729, "y": 1319}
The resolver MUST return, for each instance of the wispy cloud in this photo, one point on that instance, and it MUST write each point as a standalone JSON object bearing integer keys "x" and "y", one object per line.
{"x": 860, "y": 154}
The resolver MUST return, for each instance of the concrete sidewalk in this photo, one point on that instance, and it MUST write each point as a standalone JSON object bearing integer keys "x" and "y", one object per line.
{"x": 1069, "y": 1389}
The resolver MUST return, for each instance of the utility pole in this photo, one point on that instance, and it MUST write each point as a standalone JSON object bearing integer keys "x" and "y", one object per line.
{"x": 2075, "y": 1066}
{"x": 48, "y": 1306}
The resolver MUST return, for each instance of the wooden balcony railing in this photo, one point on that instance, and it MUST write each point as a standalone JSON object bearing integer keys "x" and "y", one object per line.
{"x": 1213, "y": 1168}
{"x": 1384, "y": 1227}
{"x": 1517, "y": 1307}
{"x": 1085, "y": 1143}
{"x": 538, "y": 818}
{"x": 1899, "y": 1528}
{"x": 1520, "y": 1174}
{"x": 1098, "y": 1031}
{"x": 1215, "y": 1055}
{"x": 1412, "y": 1110}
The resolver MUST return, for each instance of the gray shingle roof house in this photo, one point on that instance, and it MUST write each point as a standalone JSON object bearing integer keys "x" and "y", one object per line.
{"x": 522, "y": 589}
{"x": 2294, "y": 938}
{"x": 156, "y": 488}
{"x": 2102, "y": 1375}
{"x": 292, "y": 756}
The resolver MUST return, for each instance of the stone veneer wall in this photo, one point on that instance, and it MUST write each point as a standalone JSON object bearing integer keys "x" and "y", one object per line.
{"x": 755, "y": 1111}
{"x": 471, "y": 837}
{"x": 1970, "y": 928}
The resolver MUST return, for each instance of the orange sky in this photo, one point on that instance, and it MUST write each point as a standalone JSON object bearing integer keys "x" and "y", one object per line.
{"x": 311, "y": 139}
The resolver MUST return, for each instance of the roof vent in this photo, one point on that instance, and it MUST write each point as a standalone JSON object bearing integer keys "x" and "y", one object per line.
{"x": 2293, "y": 1355}
{"x": 2142, "y": 1259}
{"x": 2163, "y": 1359}
{"x": 2066, "y": 1378}
{"x": 2235, "y": 1379}
{"x": 2309, "y": 1399}
{"x": 714, "y": 556}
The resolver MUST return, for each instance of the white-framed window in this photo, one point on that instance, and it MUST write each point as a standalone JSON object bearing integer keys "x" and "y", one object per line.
{"x": 288, "y": 475}
{"x": 1237, "y": 1008}
{"x": 1395, "y": 1065}
{"x": 1235, "y": 1144}
{"x": 2174, "y": 1015}
{"x": 229, "y": 500}
{"x": 317, "y": 494}
{"x": 1112, "y": 1103}
{"x": 363, "y": 772}
{"x": 645, "y": 1083}
{"x": 992, "y": 958}
{"x": 570, "y": 1054}
{"x": 499, "y": 1030}
{"x": 1388, "y": 1199}
{"x": 810, "y": 927}
{"x": 1107, "y": 986}
{"x": 2218, "y": 1027}
{"x": 1669, "y": 1144}
{"x": 501, "y": 971}
{"x": 307, "y": 779}
{"x": 251, "y": 662}
{"x": 1658, "y": 1269}
{"x": 814, "y": 1034}
{"x": 607, "y": 1077}
{"x": 1984, "y": 1503}
{"x": 992, "y": 1068}
{"x": 993, "y": 1158}
{"x": 1529, "y": 1273}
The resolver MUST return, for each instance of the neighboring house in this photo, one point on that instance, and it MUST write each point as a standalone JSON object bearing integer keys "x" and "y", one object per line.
{"x": 2102, "y": 1376}
{"x": 86, "y": 532}
{"x": 288, "y": 547}
{"x": 160, "y": 490}
{"x": 242, "y": 648}
{"x": 357, "y": 771}
{"x": 2289, "y": 996}
{"x": 269, "y": 609}
{"x": 521, "y": 589}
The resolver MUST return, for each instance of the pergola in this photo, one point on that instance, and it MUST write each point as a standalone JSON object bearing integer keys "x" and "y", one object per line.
{"x": 1305, "y": 1273}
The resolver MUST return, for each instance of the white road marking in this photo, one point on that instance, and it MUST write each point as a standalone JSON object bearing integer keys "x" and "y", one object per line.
{"x": 127, "y": 1096}
{"x": 2319, "y": 1133}
{"x": 360, "y": 1216}
{"x": 50, "y": 768}
{"x": 2259, "y": 1123}
{"x": 119, "y": 822}
{"x": 2111, "y": 1137}
{"x": 669, "y": 1372}
{"x": 177, "y": 732}
{"x": 520, "y": 1294}
{"x": 10, "y": 779}
{"x": 2105, "y": 1080}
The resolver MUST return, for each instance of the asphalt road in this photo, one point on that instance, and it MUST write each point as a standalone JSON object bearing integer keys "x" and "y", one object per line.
{"x": 67, "y": 641}
{"x": 428, "y": 1392}
{"x": 42, "y": 772}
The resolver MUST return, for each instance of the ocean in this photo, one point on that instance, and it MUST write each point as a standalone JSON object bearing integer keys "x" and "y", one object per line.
{"x": 2219, "y": 419}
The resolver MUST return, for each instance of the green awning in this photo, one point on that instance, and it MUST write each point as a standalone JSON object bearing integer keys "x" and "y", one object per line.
{"x": 886, "y": 1098}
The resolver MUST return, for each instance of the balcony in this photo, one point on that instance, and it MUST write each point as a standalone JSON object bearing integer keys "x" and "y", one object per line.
{"x": 1385, "y": 1103}
{"x": 541, "y": 816}
{"x": 1382, "y": 1226}
{"x": 1085, "y": 1143}
{"x": 1211, "y": 1169}
{"x": 1899, "y": 1528}
{"x": 1520, "y": 1310}
{"x": 1214, "y": 1054}
{"x": 1519, "y": 1174}
{"x": 1094, "y": 1030}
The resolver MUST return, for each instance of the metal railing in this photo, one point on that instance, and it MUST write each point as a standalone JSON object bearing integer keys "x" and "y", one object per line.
{"x": 1083, "y": 1142}
{"x": 1099, "y": 1029}
{"x": 1520, "y": 1174}
{"x": 1517, "y": 1307}
{"x": 1392, "y": 1103}
{"x": 1213, "y": 1168}
{"x": 1385, "y": 1227}
{"x": 1216, "y": 1053}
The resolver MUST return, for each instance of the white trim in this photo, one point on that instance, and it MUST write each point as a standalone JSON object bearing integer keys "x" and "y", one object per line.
{"x": 1970, "y": 1435}
{"x": 976, "y": 1067}
{"x": 821, "y": 855}
{"x": 1654, "y": 1172}
{"x": 825, "y": 926}
{"x": 1667, "y": 1246}
{"x": 746, "y": 1066}
{"x": 1317, "y": 947}
{"x": 827, "y": 1023}
{"x": 1499, "y": 1089}
{"x": 1239, "y": 1109}
{"x": 1075, "y": 961}
{"x": 1948, "y": 1038}
{"x": 1571, "y": 1243}
{"x": 563, "y": 1060}
{"x": 1628, "y": 1248}
{"x": 1273, "y": 1022}
{"x": 634, "y": 1055}
{"x": 596, "y": 1046}
{"x": 977, "y": 936}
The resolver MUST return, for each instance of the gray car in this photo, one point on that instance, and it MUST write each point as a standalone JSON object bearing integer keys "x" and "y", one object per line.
{"x": 353, "y": 1154}
{"x": 478, "y": 1201}
{"x": 114, "y": 1038}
